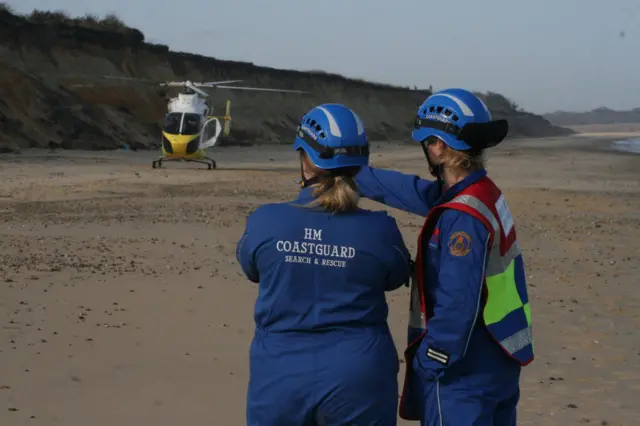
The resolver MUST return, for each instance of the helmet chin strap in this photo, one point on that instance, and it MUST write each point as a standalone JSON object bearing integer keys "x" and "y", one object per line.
{"x": 304, "y": 182}
{"x": 436, "y": 170}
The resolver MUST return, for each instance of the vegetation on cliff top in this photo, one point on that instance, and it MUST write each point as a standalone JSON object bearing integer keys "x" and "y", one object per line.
{"x": 110, "y": 22}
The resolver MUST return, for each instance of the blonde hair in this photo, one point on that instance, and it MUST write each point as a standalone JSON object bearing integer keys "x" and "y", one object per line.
{"x": 463, "y": 161}
{"x": 336, "y": 193}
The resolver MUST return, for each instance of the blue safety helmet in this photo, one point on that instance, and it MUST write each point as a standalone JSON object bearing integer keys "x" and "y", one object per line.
{"x": 445, "y": 113}
{"x": 333, "y": 136}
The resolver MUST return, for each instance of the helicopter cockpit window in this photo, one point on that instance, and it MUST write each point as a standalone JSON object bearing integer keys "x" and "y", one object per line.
{"x": 172, "y": 123}
{"x": 191, "y": 124}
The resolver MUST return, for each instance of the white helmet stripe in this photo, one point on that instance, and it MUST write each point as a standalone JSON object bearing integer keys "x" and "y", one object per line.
{"x": 334, "y": 129}
{"x": 359, "y": 124}
{"x": 485, "y": 108}
{"x": 464, "y": 107}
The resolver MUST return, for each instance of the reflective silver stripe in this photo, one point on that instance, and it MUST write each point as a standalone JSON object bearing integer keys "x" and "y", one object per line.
{"x": 416, "y": 317}
{"x": 474, "y": 202}
{"x": 439, "y": 405}
{"x": 517, "y": 341}
{"x": 496, "y": 264}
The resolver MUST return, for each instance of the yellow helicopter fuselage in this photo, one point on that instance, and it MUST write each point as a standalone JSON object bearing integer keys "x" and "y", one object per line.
{"x": 177, "y": 146}
{"x": 189, "y": 131}
{"x": 181, "y": 135}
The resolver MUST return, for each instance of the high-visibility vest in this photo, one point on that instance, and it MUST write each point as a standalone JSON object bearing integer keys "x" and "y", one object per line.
{"x": 506, "y": 312}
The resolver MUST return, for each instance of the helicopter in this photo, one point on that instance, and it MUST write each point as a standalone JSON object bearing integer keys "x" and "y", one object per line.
{"x": 189, "y": 129}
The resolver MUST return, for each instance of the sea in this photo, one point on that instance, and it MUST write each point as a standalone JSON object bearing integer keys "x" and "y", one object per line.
{"x": 628, "y": 145}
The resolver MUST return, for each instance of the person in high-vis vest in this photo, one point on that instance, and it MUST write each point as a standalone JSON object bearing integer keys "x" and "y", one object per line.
{"x": 322, "y": 352}
{"x": 469, "y": 330}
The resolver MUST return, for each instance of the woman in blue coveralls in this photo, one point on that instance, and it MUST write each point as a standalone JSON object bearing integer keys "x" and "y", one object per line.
{"x": 470, "y": 328}
{"x": 322, "y": 353}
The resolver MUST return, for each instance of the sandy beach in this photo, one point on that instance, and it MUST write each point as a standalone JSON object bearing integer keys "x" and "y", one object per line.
{"x": 121, "y": 302}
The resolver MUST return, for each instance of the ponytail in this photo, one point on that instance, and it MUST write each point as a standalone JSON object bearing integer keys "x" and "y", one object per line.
{"x": 337, "y": 193}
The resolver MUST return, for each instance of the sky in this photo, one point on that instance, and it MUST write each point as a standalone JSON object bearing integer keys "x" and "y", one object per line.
{"x": 546, "y": 55}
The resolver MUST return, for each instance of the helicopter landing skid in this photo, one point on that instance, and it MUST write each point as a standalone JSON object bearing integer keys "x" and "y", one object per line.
{"x": 210, "y": 162}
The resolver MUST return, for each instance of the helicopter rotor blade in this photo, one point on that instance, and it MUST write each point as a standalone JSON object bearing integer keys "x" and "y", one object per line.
{"x": 174, "y": 84}
{"x": 215, "y": 83}
{"x": 190, "y": 85}
{"x": 193, "y": 86}
{"x": 109, "y": 77}
{"x": 195, "y": 89}
{"x": 261, "y": 89}
{"x": 142, "y": 80}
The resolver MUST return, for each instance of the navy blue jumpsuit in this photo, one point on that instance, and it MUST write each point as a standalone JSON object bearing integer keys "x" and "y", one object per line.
{"x": 322, "y": 353}
{"x": 479, "y": 383}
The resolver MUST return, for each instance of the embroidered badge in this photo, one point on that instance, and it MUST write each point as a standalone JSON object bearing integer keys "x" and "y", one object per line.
{"x": 459, "y": 243}
{"x": 438, "y": 356}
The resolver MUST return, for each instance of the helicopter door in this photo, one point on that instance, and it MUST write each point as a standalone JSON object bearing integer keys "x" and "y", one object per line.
{"x": 210, "y": 132}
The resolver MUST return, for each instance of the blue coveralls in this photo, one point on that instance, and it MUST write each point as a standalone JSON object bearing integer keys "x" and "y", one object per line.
{"x": 480, "y": 384}
{"x": 322, "y": 353}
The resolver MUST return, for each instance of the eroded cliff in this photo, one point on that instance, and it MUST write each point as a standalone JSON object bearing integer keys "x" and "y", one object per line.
{"x": 44, "y": 55}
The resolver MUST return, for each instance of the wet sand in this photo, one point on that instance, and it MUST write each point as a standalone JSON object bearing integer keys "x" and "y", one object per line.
{"x": 121, "y": 302}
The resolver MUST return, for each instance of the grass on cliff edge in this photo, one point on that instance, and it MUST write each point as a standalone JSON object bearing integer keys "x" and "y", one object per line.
{"x": 108, "y": 22}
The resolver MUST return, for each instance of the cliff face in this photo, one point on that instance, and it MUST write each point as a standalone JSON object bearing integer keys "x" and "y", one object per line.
{"x": 41, "y": 58}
